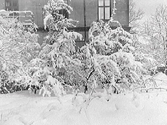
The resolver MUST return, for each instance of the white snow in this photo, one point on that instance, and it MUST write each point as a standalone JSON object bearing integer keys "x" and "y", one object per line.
{"x": 131, "y": 108}
{"x": 145, "y": 40}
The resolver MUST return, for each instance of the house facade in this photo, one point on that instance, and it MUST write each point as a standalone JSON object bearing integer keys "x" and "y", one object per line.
{"x": 84, "y": 11}
{"x": 87, "y": 11}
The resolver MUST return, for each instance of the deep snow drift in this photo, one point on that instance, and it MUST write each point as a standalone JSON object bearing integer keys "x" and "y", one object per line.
{"x": 23, "y": 108}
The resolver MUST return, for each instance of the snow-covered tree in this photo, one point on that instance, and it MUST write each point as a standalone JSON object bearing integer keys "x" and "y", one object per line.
{"x": 135, "y": 16}
{"x": 18, "y": 45}
{"x": 156, "y": 29}
{"x": 55, "y": 65}
{"x": 110, "y": 57}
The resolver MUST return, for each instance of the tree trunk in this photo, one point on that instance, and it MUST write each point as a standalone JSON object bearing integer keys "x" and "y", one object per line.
{"x": 166, "y": 68}
{"x": 85, "y": 89}
{"x": 166, "y": 56}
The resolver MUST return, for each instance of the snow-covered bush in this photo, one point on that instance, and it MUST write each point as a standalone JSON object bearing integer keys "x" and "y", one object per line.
{"x": 55, "y": 66}
{"x": 112, "y": 56}
{"x": 108, "y": 60}
{"x": 18, "y": 45}
{"x": 154, "y": 34}
{"x": 146, "y": 53}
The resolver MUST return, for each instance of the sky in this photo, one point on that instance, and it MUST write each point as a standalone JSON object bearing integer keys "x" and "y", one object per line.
{"x": 149, "y": 6}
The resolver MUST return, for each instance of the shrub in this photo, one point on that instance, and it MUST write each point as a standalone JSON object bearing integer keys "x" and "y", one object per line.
{"x": 18, "y": 45}
{"x": 112, "y": 55}
{"x": 108, "y": 60}
{"x": 56, "y": 59}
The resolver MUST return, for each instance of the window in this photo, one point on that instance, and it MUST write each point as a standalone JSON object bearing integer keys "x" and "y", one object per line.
{"x": 11, "y": 5}
{"x": 7, "y": 4}
{"x": 104, "y": 9}
{"x": 63, "y": 11}
{"x": 15, "y": 3}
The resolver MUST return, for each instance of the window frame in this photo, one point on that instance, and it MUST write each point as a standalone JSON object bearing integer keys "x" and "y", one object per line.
{"x": 104, "y": 6}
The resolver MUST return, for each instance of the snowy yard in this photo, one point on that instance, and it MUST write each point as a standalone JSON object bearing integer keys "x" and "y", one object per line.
{"x": 23, "y": 108}
{"x": 116, "y": 78}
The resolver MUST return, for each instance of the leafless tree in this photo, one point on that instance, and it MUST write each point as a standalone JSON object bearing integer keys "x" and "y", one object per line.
{"x": 156, "y": 28}
{"x": 135, "y": 14}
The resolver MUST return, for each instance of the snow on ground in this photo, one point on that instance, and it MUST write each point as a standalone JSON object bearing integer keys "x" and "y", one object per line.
{"x": 161, "y": 80}
{"x": 23, "y": 108}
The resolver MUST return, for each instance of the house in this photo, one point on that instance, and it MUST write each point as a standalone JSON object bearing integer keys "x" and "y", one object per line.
{"x": 85, "y": 11}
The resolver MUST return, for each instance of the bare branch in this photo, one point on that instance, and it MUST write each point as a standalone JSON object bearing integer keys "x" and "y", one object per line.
{"x": 134, "y": 14}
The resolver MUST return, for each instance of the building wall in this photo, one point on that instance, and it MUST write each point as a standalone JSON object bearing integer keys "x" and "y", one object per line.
{"x": 78, "y": 11}
{"x": 122, "y": 12}
{"x": 2, "y": 4}
{"x": 91, "y": 14}
{"x": 91, "y": 11}
{"x": 36, "y": 6}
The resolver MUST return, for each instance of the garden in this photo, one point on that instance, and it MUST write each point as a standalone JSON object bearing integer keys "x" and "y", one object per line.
{"x": 112, "y": 79}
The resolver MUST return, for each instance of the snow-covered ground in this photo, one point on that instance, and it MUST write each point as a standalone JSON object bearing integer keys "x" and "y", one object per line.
{"x": 23, "y": 108}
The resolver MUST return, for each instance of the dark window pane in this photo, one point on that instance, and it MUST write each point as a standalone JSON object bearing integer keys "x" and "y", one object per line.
{"x": 7, "y": 4}
{"x": 64, "y": 13}
{"x": 14, "y": 3}
{"x": 11, "y": 5}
